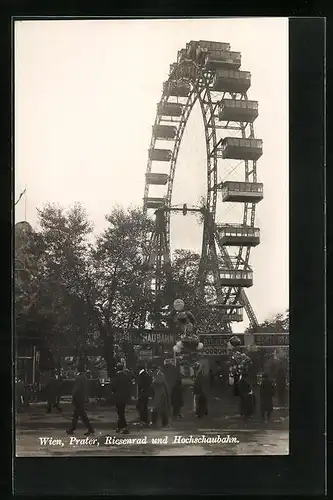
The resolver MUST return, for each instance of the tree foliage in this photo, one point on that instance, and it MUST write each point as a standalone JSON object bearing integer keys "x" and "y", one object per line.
{"x": 277, "y": 324}
{"x": 27, "y": 251}
{"x": 86, "y": 290}
{"x": 65, "y": 258}
{"x": 81, "y": 289}
{"x": 117, "y": 269}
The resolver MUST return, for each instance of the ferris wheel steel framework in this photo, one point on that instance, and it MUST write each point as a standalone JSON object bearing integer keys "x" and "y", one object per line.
{"x": 200, "y": 80}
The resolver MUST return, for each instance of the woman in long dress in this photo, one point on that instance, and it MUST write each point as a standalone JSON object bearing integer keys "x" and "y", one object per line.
{"x": 161, "y": 400}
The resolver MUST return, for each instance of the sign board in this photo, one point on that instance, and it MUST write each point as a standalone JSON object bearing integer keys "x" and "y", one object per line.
{"x": 216, "y": 344}
{"x": 214, "y": 351}
{"x": 150, "y": 337}
{"x": 145, "y": 355}
{"x": 169, "y": 361}
{"x": 271, "y": 339}
{"x": 217, "y": 339}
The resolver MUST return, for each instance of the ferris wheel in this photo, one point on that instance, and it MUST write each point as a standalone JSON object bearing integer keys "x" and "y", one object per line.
{"x": 208, "y": 73}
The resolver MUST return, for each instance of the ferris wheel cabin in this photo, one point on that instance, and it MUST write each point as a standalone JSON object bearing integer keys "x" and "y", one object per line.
{"x": 236, "y": 148}
{"x": 232, "y": 312}
{"x": 234, "y": 316}
{"x": 156, "y": 179}
{"x": 193, "y": 47}
{"x": 172, "y": 67}
{"x": 160, "y": 154}
{"x": 222, "y": 59}
{"x": 170, "y": 109}
{"x": 236, "y": 277}
{"x": 175, "y": 89}
{"x": 239, "y": 235}
{"x": 182, "y": 55}
{"x": 238, "y": 110}
{"x": 208, "y": 45}
{"x": 198, "y": 50}
{"x": 232, "y": 81}
{"x": 154, "y": 202}
{"x": 244, "y": 192}
{"x": 165, "y": 132}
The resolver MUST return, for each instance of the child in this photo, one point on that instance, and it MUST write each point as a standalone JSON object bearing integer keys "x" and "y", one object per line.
{"x": 266, "y": 398}
{"x": 177, "y": 400}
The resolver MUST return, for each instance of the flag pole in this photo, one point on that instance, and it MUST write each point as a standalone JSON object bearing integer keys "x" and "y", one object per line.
{"x": 25, "y": 203}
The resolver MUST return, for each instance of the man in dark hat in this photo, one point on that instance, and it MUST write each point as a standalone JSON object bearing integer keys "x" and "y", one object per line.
{"x": 121, "y": 388}
{"x": 200, "y": 398}
{"x": 266, "y": 397}
{"x": 79, "y": 395}
{"x": 247, "y": 397}
{"x": 144, "y": 381}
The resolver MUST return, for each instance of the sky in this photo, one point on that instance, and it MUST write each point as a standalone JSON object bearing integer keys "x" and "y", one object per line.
{"x": 86, "y": 93}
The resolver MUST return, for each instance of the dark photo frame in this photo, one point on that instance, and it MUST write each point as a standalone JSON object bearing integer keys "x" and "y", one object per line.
{"x": 303, "y": 470}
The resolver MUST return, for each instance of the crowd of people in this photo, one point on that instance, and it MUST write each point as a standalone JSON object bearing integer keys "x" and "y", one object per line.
{"x": 167, "y": 396}
{"x": 152, "y": 384}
